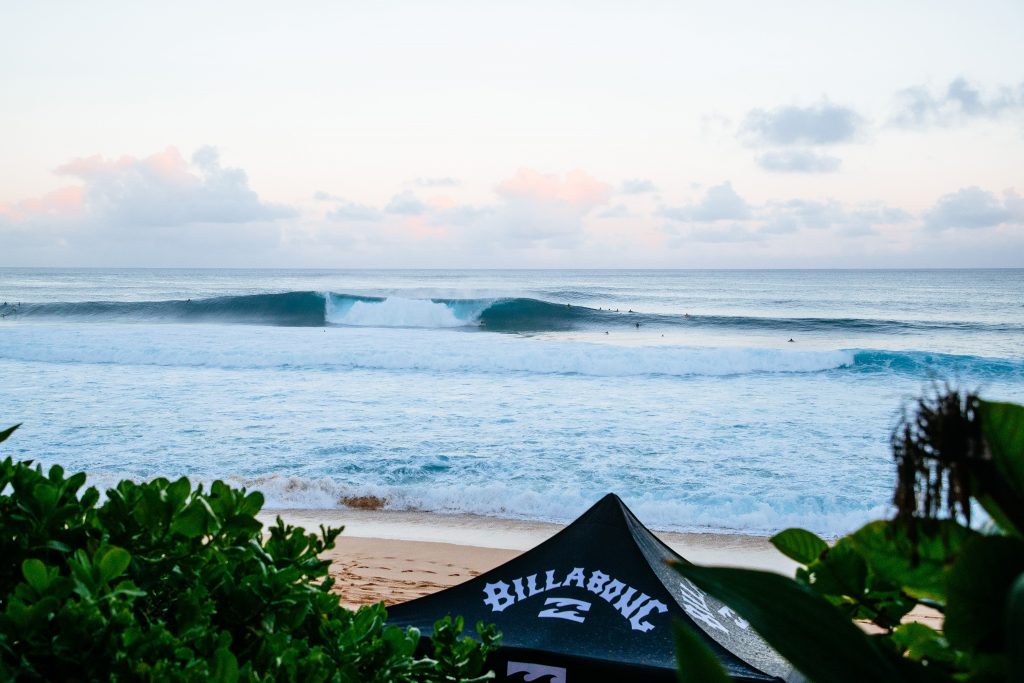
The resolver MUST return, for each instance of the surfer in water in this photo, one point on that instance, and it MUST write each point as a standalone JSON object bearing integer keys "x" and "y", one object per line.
{"x": 791, "y": 339}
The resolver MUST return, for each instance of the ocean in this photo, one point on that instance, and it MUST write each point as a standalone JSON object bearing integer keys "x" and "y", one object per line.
{"x": 727, "y": 401}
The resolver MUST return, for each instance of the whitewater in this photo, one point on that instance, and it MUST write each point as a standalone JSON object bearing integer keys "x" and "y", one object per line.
{"x": 517, "y": 394}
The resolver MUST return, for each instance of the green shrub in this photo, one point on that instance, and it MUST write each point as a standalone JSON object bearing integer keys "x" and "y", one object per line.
{"x": 165, "y": 582}
{"x": 953, "y": 453}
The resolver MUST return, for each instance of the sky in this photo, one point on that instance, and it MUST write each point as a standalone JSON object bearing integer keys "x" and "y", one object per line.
{"x": 512, "y": 135}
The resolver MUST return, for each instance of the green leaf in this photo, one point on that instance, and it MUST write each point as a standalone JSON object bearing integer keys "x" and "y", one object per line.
{"x": 919, "y": 642}
{"x": 46, "y": 496}
{"x": 252, "y": 504}
{"x": 840, "y": 571}
{"x": 695, "y": 662}
{"x": 7, "y": 432}
{"x": 799, "y": 545}
{"x": 978, "y": 588}
{"x": 178, "y": 491}
{"x": 89, "y": 498}
{"x": 193, "y": 521}
{"x": 113, "y": 563}
{"x": 1015, "y": 630}
{"x": 999, "y": 487}
{"x": 1003, "y": 427}
{"x": 225, "y": 666}
{"x": 889, "y": 552}
{"x": 800, "y": 624}
{"x": 35, "y": 574}
{"x": 243, "y": 525}
{"x": 57, "y": 545}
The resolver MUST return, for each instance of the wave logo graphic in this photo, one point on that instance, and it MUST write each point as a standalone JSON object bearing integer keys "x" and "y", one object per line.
{"x": 528, "y": 672}
{"x": 565, "y": 608}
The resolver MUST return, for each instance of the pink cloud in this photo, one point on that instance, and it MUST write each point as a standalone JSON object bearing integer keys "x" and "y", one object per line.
{"x": 441, "y": 202}
{"x": 63, "y": 201}
{"x": 577, "y": 189}
{"x": 419, "y": 229}
{"x": 160, "y": 190}
{"x": 167, "y": 165}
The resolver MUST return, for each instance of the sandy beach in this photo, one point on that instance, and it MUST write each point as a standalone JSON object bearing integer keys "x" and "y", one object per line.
{"x": 397, "y": 556}
{"x": 393, "y": 556}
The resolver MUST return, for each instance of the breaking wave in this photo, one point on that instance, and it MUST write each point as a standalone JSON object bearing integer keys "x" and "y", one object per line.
{"x": 515, "y": 314}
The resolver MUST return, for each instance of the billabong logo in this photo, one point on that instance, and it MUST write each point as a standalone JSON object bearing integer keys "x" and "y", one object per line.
{"x": 569, "y": 614}
{"x": 534, "y": 673}
{"x": 635, "y": 608}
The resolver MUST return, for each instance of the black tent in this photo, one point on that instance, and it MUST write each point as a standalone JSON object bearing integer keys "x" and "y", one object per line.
{"x": 596, "y": 602}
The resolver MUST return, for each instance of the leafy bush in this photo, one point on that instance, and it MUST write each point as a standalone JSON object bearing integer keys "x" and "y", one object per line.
{"x": 166, "y": 582}
{"x": 954, "y": 452}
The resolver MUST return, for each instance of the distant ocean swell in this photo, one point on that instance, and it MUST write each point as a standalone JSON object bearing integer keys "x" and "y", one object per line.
{"x": 316, "y": 309}
{"x": 426, "y": 351}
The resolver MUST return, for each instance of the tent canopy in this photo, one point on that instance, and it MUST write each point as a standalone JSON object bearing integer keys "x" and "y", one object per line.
{"x": 596, "y": 602}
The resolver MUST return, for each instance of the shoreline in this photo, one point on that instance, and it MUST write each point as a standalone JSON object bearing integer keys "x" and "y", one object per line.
{"x": 394, "y": 556}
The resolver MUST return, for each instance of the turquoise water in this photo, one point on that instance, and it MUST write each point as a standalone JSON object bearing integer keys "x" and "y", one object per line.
{"x": 524, "y": 394}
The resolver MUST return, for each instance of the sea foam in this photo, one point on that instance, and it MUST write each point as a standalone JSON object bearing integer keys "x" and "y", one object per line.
{"x": 385, "y": 349}
{"x": 715, "y": 511}
{"x": 392, "y": 312}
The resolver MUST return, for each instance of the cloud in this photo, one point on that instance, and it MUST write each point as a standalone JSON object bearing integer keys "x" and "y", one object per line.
{"x": 64, "y": 204}
{"x": 719, "y": 203}
{"x": 577, "y": 189}
{"x": 795, "y": 215}
{"x": 729, "y": 233}
{"x": 973, "y": 208}
{"x": 405, "y": 204}
{"x": 823, "y": 124}
{"x": 798, "y": 161}
{"x": 961, "y": 101}
{"x": 544, "y": 209}
{"x": 156, "y": 210}
{"x": 351, "y": 211}
{"x": 637, "y": 186}
{"x": 533, "y": 210}
{"x": 617, "y": 211}
{"x": 462, "y": 215}
{"x": 437, "y": 182}
{"x": 165, "y": 190}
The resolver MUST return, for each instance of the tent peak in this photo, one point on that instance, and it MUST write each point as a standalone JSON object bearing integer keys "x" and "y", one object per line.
{"x": 609, "y": 510}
